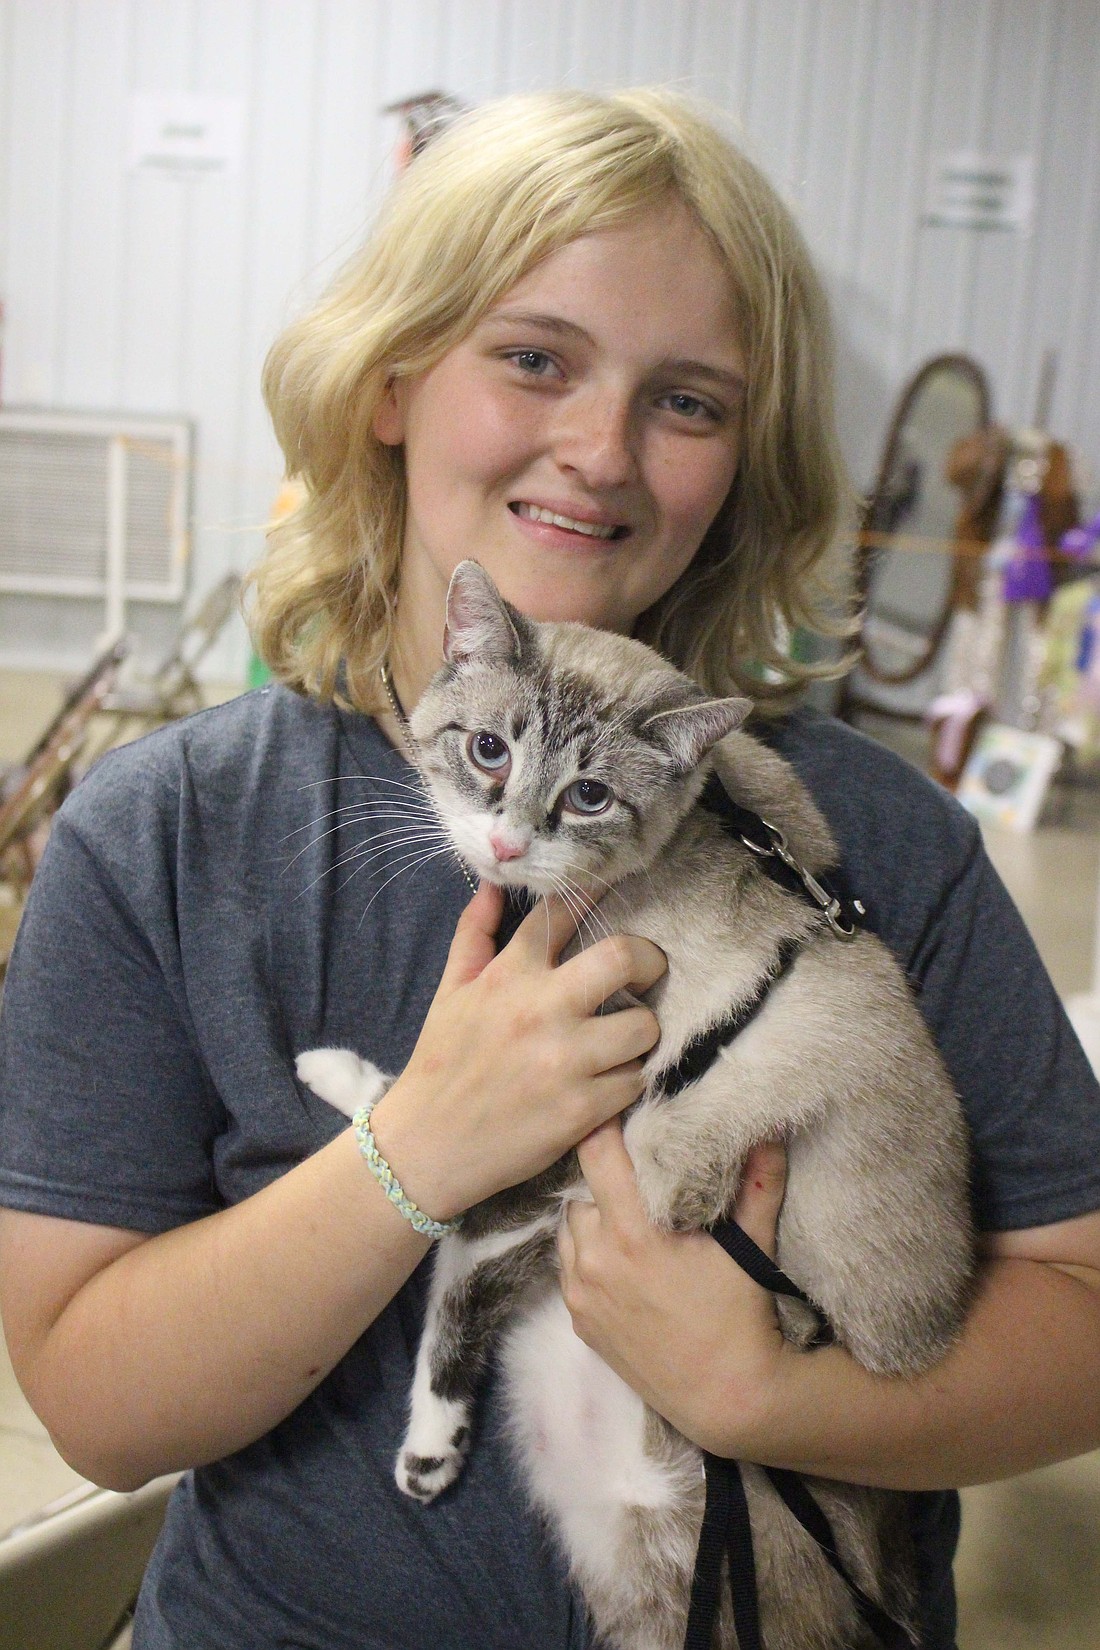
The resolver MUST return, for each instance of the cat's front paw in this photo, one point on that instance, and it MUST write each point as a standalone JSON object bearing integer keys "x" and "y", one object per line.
{"x": 678, "y": 1192}
{"x": 435, "y": 1450}
{"x": 342, "y": 1078}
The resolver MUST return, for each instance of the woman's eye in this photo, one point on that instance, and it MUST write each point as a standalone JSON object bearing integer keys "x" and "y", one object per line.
{"x": 533, "y": 361}
{"x": 588, "y": 796}
{"x": 690, "y": 406}
{"x": 487, "y": 752}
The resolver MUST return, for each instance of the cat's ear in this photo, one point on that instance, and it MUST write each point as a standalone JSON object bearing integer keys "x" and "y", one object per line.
{"x": 479, "y": 624}
{"x": 688, "y": 732}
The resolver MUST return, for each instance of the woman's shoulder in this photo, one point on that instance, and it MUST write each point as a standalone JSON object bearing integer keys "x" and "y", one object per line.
{"x": 233, "y": 756}
{"x": 862, "y": 786}
{"x": 903, "y": 840}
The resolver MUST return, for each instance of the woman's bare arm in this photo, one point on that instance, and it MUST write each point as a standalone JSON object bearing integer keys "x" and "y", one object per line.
{"x": 143, "y": 1355}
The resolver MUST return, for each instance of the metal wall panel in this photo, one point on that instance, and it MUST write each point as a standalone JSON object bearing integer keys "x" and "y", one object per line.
{"x": 154, "y": 294}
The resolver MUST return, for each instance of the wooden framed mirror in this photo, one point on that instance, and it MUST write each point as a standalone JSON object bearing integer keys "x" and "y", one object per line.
{"x": 907, "y": 567}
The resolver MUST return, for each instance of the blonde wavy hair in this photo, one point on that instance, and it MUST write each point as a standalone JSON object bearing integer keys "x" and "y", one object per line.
{"x": 504, "y": 187}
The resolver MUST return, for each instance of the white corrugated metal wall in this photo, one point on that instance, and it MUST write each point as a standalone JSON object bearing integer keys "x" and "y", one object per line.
{"x": 152, "y": 293}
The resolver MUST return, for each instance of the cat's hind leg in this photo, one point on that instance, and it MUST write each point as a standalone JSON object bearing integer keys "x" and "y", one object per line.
{"x": 474, "y": 1287}
{"x": 342, "y": 1078}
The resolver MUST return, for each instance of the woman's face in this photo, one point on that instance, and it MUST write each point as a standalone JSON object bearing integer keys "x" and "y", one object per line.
{"x": 580, "y": 441}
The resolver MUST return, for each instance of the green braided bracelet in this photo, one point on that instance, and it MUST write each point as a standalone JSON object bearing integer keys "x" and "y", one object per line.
{"x": 389, "y": 1182}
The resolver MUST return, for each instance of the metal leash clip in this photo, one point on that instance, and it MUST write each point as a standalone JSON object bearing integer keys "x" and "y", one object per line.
{"x": 839, "y": 914}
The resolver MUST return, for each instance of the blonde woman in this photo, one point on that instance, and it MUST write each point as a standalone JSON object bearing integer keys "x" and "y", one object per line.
{"x": 585, "y": 345}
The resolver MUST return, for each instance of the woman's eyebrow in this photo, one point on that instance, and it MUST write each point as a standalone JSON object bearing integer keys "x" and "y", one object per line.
{"x": 732, "y": 381}
{"x": 546, "y": 323}
{"x": 560, "y": 327}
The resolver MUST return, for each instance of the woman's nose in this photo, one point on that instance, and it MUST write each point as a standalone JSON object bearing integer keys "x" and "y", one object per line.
{"x": 596, "y": 438}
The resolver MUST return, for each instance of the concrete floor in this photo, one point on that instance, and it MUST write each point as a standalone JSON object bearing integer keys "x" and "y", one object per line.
{"x": 1029, "y": 1566}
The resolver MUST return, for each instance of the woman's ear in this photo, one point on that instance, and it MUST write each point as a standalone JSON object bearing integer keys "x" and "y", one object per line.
{"x": 388, "y": 422}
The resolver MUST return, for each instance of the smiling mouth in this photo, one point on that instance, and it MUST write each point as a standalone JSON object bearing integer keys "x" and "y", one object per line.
{"x": 590, "y": 529}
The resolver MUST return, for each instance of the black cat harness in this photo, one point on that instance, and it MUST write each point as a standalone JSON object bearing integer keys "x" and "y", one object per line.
{"x": 726, "y": 1526}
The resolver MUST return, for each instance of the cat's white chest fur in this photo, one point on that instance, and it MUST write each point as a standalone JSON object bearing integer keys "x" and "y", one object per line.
{"x": 580, "y": 1434}
{"x": 578, "y": 1425}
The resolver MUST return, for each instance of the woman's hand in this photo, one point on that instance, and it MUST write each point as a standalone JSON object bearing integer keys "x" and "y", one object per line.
{"x": 514, "y": 1065}
{"x": 670, "y": 1311}
{"x": 689, "y": 1332}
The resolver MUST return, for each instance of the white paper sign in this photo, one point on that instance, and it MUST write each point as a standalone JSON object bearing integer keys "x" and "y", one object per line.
{"x": 969, "y": 190}
{"x": 185, "y": 133}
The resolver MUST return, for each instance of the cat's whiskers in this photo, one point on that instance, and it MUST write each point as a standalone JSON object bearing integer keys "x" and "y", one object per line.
{"x": 379, "y": 844}
{"x": 358, "y": 818}
{"x": 373, "y": 848}
{"x": 421, "y": 824}
{"x": 414, "y": 864}
{"x": 437, "y": 813}
{"x": 576, "y": 905}
{"x": 365, "y": 856}
{"x": 365, "y": 810}
{"x": 594, "y": 915}
{"x": 353, "y": 817}
{"x": 589, "y": 875}
{"x": 363, "y": 779}
{"x": 594, "y": 926}
{"x": 569, "y": 898}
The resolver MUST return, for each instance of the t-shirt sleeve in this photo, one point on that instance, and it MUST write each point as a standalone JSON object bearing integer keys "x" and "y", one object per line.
{"x": 106, "y": 1112}
{"x": 916, "y": 858}
{"x": 1031, "y": 1097}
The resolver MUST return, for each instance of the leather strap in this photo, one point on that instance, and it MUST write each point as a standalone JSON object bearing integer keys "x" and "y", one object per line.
{"x": 795, "y": 1495}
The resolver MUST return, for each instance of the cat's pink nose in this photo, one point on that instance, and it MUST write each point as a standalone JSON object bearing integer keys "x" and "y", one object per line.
{"x": 506, "y": 847}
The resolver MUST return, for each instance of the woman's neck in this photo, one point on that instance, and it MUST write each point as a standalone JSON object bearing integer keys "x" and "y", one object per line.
{"x": 416, "y": 652}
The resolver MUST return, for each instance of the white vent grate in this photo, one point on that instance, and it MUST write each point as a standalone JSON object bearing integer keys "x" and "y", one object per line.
{"x": 80, "y": 493}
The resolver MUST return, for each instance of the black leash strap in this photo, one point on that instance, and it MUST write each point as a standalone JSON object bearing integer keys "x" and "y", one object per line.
{"x": 726, "y": 1515}
{"x": 725, "y": 1526}
{"x": 763, "y": 1270}
{"x": 794, "y": 1494}
{"x": 706, "y": 1583}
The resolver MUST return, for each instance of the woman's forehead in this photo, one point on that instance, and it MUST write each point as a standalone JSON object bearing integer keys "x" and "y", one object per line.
{"x": 657, "y": 276}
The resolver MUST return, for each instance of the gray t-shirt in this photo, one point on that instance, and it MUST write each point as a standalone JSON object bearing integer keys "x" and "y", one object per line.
{"x": 210, "y": 904}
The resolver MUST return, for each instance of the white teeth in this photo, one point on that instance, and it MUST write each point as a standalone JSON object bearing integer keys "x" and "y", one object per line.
{"x": 534, "y": 512}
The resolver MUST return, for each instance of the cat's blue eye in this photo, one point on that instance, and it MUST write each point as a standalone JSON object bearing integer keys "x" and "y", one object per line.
{"x": 588, "y": 796}
{"x": 488, "y": 752}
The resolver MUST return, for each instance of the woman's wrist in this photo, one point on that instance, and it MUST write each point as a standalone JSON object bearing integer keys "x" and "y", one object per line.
{"x": 411, "y": 1147}
{"x": 382, "y": 1170}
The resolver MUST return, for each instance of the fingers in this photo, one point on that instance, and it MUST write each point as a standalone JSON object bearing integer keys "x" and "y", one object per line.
{"x": 609, "y": 1175}
{"x": 546, "y": 930}
{"x": 620, "y": 1039}
{"x": 539, "y": 937}
{"x": 609, "y": 1172}
{"x": 621, "y": 962}
{"x": 760, "y": 1195}
{"x": 474, "y": 944}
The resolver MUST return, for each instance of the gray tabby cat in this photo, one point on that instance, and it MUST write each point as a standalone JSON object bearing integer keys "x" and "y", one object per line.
{"x": 557, "y": 755}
